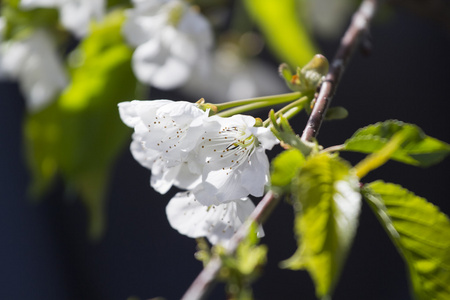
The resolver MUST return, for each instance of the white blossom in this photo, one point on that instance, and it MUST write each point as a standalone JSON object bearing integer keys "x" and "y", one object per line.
{"x": 231, "y": 156}
{"x": 160, "y": 128}
{"x": 75, "y": 15}
{"x": 171, "y": 39}
{"x": 34, "y": 62}
{"x": 231, "y": 76}
{"x": 217, "y": 223}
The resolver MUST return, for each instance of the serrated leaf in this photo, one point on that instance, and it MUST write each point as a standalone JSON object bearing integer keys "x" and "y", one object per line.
{"x": 284, "y": 169}
{"x": 421, "y": 233}
{"x": 327, "y": 204}
{"x": 419, "y": 149}
{"x": 283, "y": 29}
{"x": 80, "y": 135}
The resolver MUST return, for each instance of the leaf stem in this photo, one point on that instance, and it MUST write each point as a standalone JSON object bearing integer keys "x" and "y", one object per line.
{"x": 268, "y": 100}
{"x": 290, "y": 110}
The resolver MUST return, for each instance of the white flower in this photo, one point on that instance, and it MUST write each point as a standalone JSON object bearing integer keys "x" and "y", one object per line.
{"x": 231, "y": 76}
{"x": 75, "y": 15}
{"x": 231, "y": 155}
{"x": 217, "y": 223}
{"x": 35, "y": 63}
{"x": 171, "y": 38}
{"x": 160, "y": 128}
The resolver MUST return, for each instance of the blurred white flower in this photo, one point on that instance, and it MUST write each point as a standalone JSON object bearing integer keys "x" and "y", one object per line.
{"x": 231, "y": 156}
{"x": 217, "y": 223}
{"x": 75, "y": 15}
{"x": 230, "y": 76}
{"x": 160, "y": 128}
{"x": 171, "y": 39}
{"x": 34, "y": 62}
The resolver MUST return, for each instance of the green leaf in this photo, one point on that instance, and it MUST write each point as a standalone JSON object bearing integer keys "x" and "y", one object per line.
{"x": 327, "y": 206}
{"x": 419, "y": 149}
{"x": 421, "y": 233}
{"x": 281, "y": 128}
{"x": 80, "y": 135}
{"x": 285, "y": 168}
{"x": 244, "y": 266}
{"x": 285, "y": 33}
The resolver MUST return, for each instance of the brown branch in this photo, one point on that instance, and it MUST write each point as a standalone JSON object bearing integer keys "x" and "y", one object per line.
{"x": 359, "y": 26}
{"x": 357, "y": 30}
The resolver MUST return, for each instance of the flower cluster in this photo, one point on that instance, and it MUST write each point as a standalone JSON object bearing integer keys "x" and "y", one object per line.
{"x": 220, "y": 161}
{"x": 170, "y": 37}
{"x": 34, "y": 62}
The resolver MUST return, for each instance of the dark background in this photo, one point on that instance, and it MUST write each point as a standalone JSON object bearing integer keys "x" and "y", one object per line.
{"x": 45, "y": 254}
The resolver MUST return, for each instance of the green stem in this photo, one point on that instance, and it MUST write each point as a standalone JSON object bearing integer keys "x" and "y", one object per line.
{"x": 269, "y": 100}
{"x": 290, "y": 110}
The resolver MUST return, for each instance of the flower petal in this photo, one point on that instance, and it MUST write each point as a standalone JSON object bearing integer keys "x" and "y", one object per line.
{"x": 217, "y": 223}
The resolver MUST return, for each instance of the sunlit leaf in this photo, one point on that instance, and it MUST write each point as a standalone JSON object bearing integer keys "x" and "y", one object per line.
{"x": 286, "y": 35}
{"x": 421, "y": 233}
{"x": 285, "y": 167}
{"x": 419, "y": 149}
{"x": 81, "y": 134}
{"x": 327, "y": 205}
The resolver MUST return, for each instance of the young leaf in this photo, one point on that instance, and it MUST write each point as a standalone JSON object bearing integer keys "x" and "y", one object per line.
{"x": 419, "y": 149}
{"x": 281, "y": 25}
{"x": 284, "y": 132}
{"x": 421, "y": 233}
{"x": 285, "y": 168}
{"x": 327, "y": 204}
{"x": 241, "y": 269}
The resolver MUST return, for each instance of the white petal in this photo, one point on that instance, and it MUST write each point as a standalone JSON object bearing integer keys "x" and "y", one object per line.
{"x": 136, "y": 111}
{"x": 30, "y": 4}
{"x": 265, "y": 137}
{"x": 153, "y": 65}
{"x": 217, "y": 223}
{"x": 35, "y": 63}
{"x": 77, "y": 15}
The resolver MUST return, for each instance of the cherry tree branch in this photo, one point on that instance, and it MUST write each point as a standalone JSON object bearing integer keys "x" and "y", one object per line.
{"x": 357, "y": 30}
{"x": 352, "y": 38}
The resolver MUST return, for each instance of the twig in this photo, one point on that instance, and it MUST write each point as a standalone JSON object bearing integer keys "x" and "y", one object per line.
{"x": 350, "y": 41}
{"x": 206, "y": 279}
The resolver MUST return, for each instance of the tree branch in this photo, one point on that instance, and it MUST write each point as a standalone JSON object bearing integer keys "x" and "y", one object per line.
{"x": 359, "y": 26}
{"x": 357, "y": 30}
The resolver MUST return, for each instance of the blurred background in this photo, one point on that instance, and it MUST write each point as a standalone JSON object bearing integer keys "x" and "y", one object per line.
{"x": 45, "y": 252}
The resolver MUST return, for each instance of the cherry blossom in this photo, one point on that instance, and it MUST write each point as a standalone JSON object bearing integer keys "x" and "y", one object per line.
{"x": 34, "y": 62}
{"x": 160, "y": 128}
{"x": 231, "y": 156}
{"x": 171, "y": 39}
{"x": 217, "y": 223}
